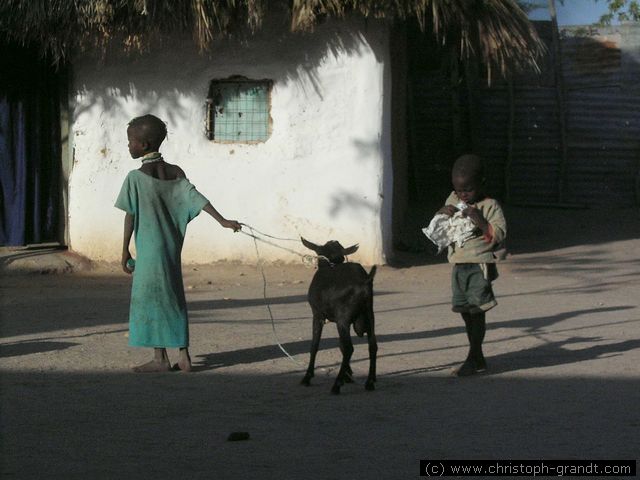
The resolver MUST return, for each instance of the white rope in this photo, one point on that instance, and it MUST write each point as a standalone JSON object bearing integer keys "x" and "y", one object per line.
{"x": 264, "y": 284}
{"x": 307, "y": 260}
{"x": 255, "y": 230}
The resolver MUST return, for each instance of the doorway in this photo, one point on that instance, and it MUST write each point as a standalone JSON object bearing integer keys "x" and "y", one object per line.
{"x": 31, "y": 90}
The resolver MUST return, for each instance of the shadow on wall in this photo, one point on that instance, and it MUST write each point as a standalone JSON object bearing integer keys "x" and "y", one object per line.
{"x": 108, "y": 86}
{"x": 284, "y": 55}
{"x": 354, "y": 204}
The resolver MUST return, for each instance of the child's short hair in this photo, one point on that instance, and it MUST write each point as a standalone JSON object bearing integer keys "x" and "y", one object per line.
{"x": 150, "y": 128}
{"x": 469, "y": 166}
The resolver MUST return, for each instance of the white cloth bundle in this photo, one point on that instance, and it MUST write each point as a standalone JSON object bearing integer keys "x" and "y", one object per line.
{"x": 444, "y": 230}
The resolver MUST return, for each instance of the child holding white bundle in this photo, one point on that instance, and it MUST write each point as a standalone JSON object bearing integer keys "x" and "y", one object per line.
{"x": 473, "y": 227}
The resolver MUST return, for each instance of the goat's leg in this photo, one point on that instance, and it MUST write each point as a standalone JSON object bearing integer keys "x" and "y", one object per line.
{"x": 348, "y": 377}
{"x": 346, "y": 347}
{"x": 373, "y": 352}
{"x": 348, "y": 372}
{"x": 318, "y": 323}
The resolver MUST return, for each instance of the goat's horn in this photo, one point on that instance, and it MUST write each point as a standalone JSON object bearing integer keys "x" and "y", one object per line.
{"x": 350, "y": 250}
{"x": 309, "y": 245}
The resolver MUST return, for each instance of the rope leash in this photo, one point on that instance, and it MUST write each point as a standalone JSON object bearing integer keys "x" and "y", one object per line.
{"x": 307, "y": 260}
{"x": 264, "y": 279}
{"x": 255, "y": 230}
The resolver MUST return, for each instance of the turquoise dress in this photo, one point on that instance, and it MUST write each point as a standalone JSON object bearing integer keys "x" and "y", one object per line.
{"x": 162, "y": 210}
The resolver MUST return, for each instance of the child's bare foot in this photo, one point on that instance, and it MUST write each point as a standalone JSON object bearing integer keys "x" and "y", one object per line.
{"x": 154, "y": 366}
{"x": 184, "y": 361}
{"x": 160, "y": 363}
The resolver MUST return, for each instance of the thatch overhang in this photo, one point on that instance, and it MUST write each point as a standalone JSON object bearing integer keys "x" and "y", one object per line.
{"x": 495, "y": 32}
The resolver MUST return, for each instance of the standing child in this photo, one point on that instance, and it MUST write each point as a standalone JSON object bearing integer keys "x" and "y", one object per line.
{"x": 474, "y": 261}
{"x": 159, "y": 202}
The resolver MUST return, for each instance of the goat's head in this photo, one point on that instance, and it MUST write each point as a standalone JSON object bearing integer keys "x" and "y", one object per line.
{"x": 332, "y": 250}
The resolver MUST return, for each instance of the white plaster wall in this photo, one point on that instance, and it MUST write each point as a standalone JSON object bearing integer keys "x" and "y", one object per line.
{"x": 319, "y": 175}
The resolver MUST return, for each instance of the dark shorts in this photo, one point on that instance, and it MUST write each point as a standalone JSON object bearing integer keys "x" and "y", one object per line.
{"x": 472, "y": 293}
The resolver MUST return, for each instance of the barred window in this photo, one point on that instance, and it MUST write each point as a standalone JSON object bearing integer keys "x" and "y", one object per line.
{"x": 238, "y": 110}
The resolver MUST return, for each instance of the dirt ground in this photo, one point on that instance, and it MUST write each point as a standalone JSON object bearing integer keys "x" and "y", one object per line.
{"x": 563, "y": 348}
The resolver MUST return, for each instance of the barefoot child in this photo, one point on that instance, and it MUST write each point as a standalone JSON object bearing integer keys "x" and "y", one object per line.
{"x": 474, "y": 261}
{"x": 159, "y": 202}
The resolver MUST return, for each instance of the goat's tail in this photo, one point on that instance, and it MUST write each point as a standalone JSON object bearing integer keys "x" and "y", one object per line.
{"x": 372, "y": 274}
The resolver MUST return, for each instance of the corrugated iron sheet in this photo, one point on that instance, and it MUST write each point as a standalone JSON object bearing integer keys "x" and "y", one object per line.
{"x": 603, "y": 146}
{"x": 591, "y": 60}
{"x": 602, "y": 114}
{"x": 601, "y": 70}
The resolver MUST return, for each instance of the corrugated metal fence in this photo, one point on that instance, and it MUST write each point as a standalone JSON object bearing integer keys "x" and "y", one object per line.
{"x": 516, "y": 126}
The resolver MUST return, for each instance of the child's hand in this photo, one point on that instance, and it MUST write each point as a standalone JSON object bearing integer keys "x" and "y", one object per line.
{"x": 449, "y": 210}
{"x": 476, "y": 217}
{"x": 231, "y": 224}
{"x": 126, "y": 256}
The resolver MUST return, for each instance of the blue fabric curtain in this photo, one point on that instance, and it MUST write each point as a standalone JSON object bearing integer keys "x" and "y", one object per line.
{"x": 30, "y": 162}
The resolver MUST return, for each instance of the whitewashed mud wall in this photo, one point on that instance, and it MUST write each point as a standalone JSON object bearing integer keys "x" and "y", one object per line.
{"x": 324, "y": 173}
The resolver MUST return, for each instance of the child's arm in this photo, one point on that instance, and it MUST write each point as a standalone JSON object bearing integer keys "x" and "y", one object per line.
{"x": 220, "y": 219}
{"x": 476, "y": 217}
{"x": 491, "y": 222}
{"x": 449, "y": 210}
{"x": 128, "y": 232}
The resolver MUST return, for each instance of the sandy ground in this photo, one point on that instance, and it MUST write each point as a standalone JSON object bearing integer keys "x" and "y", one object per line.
{"x": 563, "y": 347}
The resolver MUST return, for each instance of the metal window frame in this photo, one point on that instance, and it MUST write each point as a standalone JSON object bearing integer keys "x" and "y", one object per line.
{"x": 213, "y": 100}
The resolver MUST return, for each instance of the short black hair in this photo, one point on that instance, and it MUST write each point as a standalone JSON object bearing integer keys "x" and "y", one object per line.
{"x": 468, "y": 166}
{"x": 149, "y": 128}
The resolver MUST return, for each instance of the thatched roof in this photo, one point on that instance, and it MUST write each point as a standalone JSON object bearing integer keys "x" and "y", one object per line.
{"x": 495, "y": 31}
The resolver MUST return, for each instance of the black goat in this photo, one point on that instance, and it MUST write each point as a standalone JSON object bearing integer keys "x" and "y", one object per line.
{"x": 342, "y": 293}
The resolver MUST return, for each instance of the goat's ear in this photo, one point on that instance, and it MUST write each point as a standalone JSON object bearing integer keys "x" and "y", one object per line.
{"x": 350, "y": 250}
{"x": 309, "y": 245}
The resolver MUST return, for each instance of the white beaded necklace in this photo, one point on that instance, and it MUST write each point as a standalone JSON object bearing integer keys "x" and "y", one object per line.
{"x": 152, "y": 157}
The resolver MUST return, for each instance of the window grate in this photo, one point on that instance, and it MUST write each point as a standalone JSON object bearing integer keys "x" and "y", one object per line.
{"x": 238, "y": 110}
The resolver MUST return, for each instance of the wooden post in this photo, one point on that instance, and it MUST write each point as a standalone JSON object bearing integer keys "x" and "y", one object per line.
{"x": 456, "y": 109}
{"x": 560, "y": 102}
{"x": 510, "y": 135}
{"x": 471, "y": 76}
{"x": 66, "y": 154}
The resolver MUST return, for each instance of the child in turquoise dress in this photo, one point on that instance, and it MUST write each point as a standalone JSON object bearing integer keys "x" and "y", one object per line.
{"x": 159, "y": 202}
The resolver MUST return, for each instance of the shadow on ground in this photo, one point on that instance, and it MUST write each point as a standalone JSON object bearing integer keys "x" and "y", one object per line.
{"x": 196, "y": 305}
{"x": 41, "y": 259}
{"x": 549, "y": 354}
{"x": 27, "y": 348}
{"x": 168, "y": 425}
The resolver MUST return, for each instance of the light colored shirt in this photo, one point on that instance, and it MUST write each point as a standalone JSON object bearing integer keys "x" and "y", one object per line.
{"x": 481, "y": 248}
